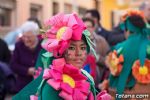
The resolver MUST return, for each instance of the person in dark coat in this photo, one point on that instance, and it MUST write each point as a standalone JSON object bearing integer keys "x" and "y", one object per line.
{"x": 5, "y": 54}
{"x": 24, "y": 55}
{"x": 111, "y": 38}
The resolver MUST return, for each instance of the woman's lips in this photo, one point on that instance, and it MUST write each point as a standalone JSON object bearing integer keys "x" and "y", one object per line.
{"x": 78, "y": 61}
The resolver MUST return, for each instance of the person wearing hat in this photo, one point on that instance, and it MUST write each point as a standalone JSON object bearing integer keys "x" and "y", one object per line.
{"x": 67, "y": 44}
{"x": 129, "y": 61}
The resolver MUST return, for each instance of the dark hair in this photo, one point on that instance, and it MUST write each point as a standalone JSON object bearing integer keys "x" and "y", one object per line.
{"x": 34, "y": 19}
{"x": 137, "y": 21}
{"x": 88, "y": 19}
{"x": 84, "y": 39}
{"x": 94, "y": 13}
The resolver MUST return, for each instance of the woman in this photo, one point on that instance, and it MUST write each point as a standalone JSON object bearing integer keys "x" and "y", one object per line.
{"x": 129, "y": 62}
{"x": 68, "y": 44}
{"x": 25, "y": 54}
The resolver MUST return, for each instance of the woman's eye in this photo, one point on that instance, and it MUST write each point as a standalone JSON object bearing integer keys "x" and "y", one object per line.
{"x": 83, "y": 48}
{"x": 71, "y": 48}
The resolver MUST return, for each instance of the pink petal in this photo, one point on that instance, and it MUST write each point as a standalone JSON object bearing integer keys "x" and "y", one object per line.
{"x": 103, "y": 96}
{"x": 56, "y": 74}
{"x": 70, "y": 69}
{"x": 83, "y": 86}
{"x": 40, "y": 69}
{"x": 37, "y": 72}
{"x": 55, "y": 20}
{"x": 35, "y": 76}
{"x": 78, "y": 76}
{"x": 65, "y": 95}
{"x": 56, "y": 53}
{"x": 74, "y": 72}
{"x": 91, "y": 97}
{"x": 53, "y": 45}
{"x": 54, "y": 84}
{"x": 77, "y": 34}
{"x": 64, "y": 45}
{"x": 51, "y": 33}
{"x": 72, "y": 20}
{"x": 66, "y": 87}
{"x": 53, "y": 30}
{"x": 45, "y": 43}
{"x": 67, "y": 34}
{"x": 66, "y": 19}
{"x": 77, "y": 95}
{"x": 33, "y": 97}
{"x": 77, "y": 26}
{"x": 51, "y": 36}
{"x": 80, "y": 22}
{"x": 46, "y": 74}
{"x": 59, "y": 62}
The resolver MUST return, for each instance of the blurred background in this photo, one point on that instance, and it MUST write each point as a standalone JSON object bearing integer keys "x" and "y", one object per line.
{"x": 14, "y": 12}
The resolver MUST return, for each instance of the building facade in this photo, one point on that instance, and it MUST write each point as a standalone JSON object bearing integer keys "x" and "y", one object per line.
{"x": 15, "y": 12}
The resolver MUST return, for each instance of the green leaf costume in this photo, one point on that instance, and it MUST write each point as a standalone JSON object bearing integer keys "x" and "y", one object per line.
{"x": 136, "y": 47}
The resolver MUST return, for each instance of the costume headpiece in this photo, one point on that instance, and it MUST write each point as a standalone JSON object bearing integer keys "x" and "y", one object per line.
{"x": 63, "y": 29}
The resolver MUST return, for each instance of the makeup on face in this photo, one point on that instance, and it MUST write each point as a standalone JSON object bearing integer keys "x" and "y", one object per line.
{"x": 76, "y": 53}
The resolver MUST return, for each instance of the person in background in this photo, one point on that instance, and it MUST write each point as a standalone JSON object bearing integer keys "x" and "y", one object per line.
{"x": 12, "y": 37}
{"x": 129, "y": 61}
{"x": 98, "y": 67}
{"x": 112, "y": 39}
{"x": 34, "y": 19}
{"x": 25, "y": 55}
{"x": 5, "y": 54}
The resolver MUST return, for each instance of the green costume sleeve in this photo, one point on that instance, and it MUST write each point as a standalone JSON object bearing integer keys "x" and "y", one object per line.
{"x": 39, "y": 62}
{"x": 30, "y": 89}
{"x": 130, "y": 53}
{"x": 49, "y": 93}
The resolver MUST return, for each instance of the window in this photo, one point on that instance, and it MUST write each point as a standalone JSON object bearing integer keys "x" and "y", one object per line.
{"x": 55, "y": 8}
{"x": 7, "y": 7}
{"x": 82, "y": 11}
{"x": 68, "y": 8}
{"x": 5, "y": 17}
{"x": 36, "y": 11}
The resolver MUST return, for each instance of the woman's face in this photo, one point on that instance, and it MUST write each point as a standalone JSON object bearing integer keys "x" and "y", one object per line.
{"x": 29, "y": 39}
{"x": 76, "y": 53}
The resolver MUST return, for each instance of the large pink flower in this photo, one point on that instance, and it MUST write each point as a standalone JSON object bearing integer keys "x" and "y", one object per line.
{"x": 68, "y": 79}
{"x": 63, "y": 28}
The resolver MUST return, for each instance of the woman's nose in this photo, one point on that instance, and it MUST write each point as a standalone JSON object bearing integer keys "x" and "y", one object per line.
{"x": 78, "y": 52}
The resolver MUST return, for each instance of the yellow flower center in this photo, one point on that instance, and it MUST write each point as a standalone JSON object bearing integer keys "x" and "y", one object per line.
{"x": 143, "y": 70}
{"x": 114, "y": 61}
{"x": 60, "y": 33}
{"x": 69, "y": 80}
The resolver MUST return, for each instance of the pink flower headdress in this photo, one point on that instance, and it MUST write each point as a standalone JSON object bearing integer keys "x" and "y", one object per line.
{"x": 63, "y": 28}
